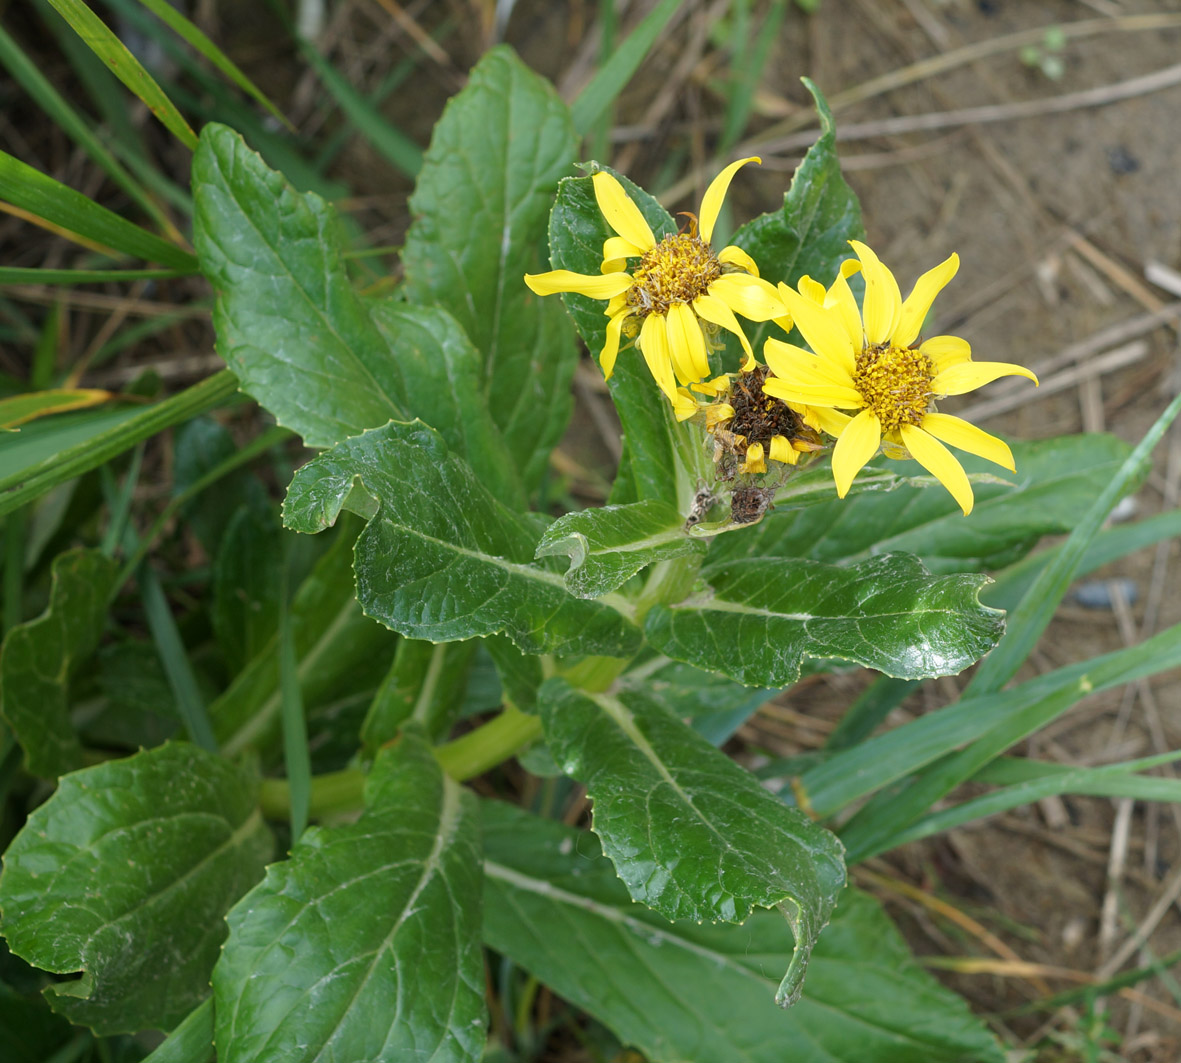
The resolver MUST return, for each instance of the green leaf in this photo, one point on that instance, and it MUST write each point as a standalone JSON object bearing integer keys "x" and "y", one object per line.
{"x": 364, "y": 945}
{"x": 426, "y": 683}
{"x": 479, "y": 210}
{"x": 680, "y": 992}
{"x": 443, "y": 560}
{"x": 247, "y": 576}
{"x": 520, "y": 674}
{"x": 609, "y": 545}
{"x": 820, "y": 215}
{"x": 20, "y": 409}
{"x": 40, "y": 194}
{"x": 125, "y": 874}
{"x": 692, "y": 835}
{"x": 576, "y": 234}
{"x": 1055, "y": 482}
{"x": 38, "y": 657}
{"x": 29, "y": 1031}
{"x": 191, "y": 1041}
{"x": 760, "y": 617}
{"x": 71, "y": 277}
{"x": 114, "y": 54}
{"x": 47, "y": 453}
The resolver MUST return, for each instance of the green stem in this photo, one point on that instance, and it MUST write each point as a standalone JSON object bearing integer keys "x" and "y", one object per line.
{"x": 477, "y": 751}
{"x": 332, "y": 794}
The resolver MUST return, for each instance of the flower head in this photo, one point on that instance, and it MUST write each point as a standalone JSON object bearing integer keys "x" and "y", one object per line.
{"x": 676, "y": 296}
{"x": 870, "y": 362}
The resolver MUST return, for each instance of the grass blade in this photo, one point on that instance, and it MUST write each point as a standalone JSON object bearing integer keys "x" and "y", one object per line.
{"x": 295, "y": 732}
{"x": 21, "y": 409}
{"x": 191, "y": 1041}
{"x": 602, "y": 90}
{"x": 184, "y": 29}
{"x": 870, "y": 709}
{"x": 77, "y": 127}
{"x": 71, "y": 277}
{"x": 113, "y": 52}
{"x": 40, "y": 195}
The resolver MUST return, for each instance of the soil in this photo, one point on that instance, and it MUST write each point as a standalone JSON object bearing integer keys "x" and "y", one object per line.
{"x": 1055, "y": 217}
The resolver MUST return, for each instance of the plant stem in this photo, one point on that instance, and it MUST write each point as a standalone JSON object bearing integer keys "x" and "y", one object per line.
{"x": 477, "y": 751}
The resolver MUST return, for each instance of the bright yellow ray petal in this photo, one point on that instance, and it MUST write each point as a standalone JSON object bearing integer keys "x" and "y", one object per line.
{"x": 600, "y": 286}
{"x": 959, "y": 433}
{"x": 840, "y": 300}
{"x": 653, "y": 341}
{"x": 857, "y": 444}
{"x": 914, "y": 310}
{"x": 749, "y": 296}
{"x": 968, "y": 376}
{"x": 940, "y": 463}
{"x": 711, "y": 309}
{"x": 754, "y": 462}
{"x": 611, "y": 345}
{"x": 684, "y": 405}
{"x": 946, "y": 351}
{"x": 823, "y": 419}
{"x": 793, "y": 363}
{"x": 782, "y": 450}
{"x": 813, "y": 395}
{"x": 686, "y": 344}
{"x": 617, "y": 249}
{"x": 711, "y": 202}
{"x": 883, "y": 300}
{"x": 821, "y": 328}
{"x": 735, "y": 256}
{"x": 811, "y": 289}
{"x": 717, "y": 413}
{"x": 621, "y": 213}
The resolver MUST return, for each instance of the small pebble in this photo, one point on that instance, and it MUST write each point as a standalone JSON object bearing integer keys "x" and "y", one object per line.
{"x": 1125, "y": 509}
{"x": 1097, "y": 594}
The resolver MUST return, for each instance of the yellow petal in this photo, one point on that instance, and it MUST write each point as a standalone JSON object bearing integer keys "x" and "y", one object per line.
{"x": 749, "y": 296}
{"x": 823, "y": 419}
{"x": 601, "y": 286}
{"x": 813, "y": 394}
{"x": 684, "y": 405}
{"x": 621, "y": 213}
{"x": 840, "y": 300}
{"x": 686, "y": 344}
{"x": 940, "y": 463}
{"x": 811, "y": 289}
{"x": 794, "y": 364}
{"x": 718, "y": 413}
{"x": 611, "y": 345}
{"x": 735, "y": 256}
{"x": 710, "y": 308}
{"x": 754, "y": 462}
{"x": 959, "y": 433}
{"x": 922, "y": 295}
{"x": 857, "y": 444}
{"x": 883, "y": 300}
{"x": 653, "y": 341}
{"x": 968, "y": 376}
{"x": 782, "y": 450}
{"x": 711, "y": 202}
{"x": 822, "y": 329}
{"x": 946, "y": 351}
{"x": 618, "y": 247}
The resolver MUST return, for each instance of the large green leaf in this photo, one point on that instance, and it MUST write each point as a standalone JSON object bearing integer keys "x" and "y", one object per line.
{"x": 759, "y": 618}
{"x": 1056, "y": 480}
{"x": 576, "y": 234}
{"x": 247, "y": 585}
{"x": 365, "y": 944}
{"x": 810, "y": 234}
{"x": 479, "y": 208}
{"x": 37, "y": 659}
{"x": 693, "y": 835}
{"x": 303, "y": 341}
{"x": 609, "y": 545}
{"x": 125, "y": 874}
{"x": 443, "y": 560}
{"x": 681, "y": 992}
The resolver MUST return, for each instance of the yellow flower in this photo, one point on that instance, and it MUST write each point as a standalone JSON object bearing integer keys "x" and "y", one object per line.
{"x": 679, "y": 291}
{"x": 870, "y": 362}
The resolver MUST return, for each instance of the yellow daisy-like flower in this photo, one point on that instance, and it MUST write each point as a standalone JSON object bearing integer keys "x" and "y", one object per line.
{"x": 870, "y": 362}
{"x": 680, "y": 291}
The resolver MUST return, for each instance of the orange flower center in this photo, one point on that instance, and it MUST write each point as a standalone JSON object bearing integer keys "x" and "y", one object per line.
{"x": 895, "y": 383}
{"x": 676, "y": 270}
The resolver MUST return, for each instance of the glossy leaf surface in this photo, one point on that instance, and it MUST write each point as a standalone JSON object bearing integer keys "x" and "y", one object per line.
{"x": 486, "y": 186}
{"x": 125, "y": 874}
{"x": 443, "y": 560}
{"x": 692, "y": 835}
{"x": 609, "y": 545}
{"x": 685, "y": 992}
{"x": 364, "y": 945}
{"x": 759, "y": 619}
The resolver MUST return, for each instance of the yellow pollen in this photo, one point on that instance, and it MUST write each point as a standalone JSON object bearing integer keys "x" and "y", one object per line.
{"x": 895, "y": 383}
{"x": 676, "y": 270}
